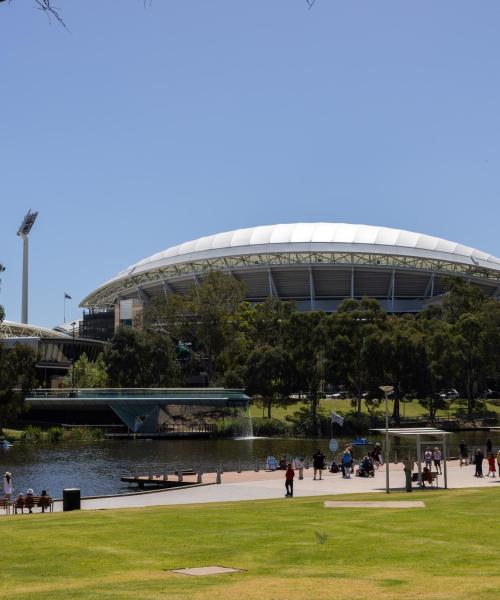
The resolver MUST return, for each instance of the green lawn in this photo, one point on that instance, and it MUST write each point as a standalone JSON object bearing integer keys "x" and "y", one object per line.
{"x": 449, "y": 550}
{"x": 408, "y": 409}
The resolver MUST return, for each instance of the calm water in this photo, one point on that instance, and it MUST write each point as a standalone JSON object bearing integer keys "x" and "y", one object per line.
{"x": 96, "y": 467}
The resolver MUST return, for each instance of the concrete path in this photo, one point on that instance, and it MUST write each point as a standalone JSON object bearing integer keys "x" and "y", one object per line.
{"x": 264, "y": 485}
{"x": 398, "y": 504}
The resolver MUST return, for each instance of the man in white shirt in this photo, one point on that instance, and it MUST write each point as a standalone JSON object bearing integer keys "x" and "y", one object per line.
{"x": 437, "y": 456}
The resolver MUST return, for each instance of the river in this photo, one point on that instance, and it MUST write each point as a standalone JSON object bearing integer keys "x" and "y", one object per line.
{"x": 96, "y": 467}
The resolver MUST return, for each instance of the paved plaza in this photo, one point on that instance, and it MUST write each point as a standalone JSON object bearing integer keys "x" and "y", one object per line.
{"x": 264, "y": 485}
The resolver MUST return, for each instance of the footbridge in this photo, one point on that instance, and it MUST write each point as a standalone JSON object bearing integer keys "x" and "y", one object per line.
{"x": 142, "y": 410}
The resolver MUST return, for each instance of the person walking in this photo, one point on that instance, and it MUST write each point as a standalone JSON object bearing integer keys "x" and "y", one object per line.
{"x": 464, "y": 453}
{"x": 346, "y": 464}
{"x": 478, "y": 461}
{"x": 318, "y": 463}
{"x": 437, "y": 456}
{"x": 376, "y": 454}
{"x": 7, "y": 485}
{"x": 289, "y": 475}
{"x": 492, "y": 468}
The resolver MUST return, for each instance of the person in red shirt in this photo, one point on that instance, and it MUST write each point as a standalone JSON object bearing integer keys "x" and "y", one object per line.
{"x": 491, "y": 465}
{"x": 289, "y": 475}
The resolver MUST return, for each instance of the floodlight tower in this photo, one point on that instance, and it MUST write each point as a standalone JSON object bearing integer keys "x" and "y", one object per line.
{"x": 23, "y": 232}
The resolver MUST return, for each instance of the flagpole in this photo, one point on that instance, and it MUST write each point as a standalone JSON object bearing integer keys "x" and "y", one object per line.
{"x": 64, "y": 304}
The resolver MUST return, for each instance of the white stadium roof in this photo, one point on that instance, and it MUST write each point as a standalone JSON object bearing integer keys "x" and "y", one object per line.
{"x": 325, "y": 237}
{"x": 298, "y": 238}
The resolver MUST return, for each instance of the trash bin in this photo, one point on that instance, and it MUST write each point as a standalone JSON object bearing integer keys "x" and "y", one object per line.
{"x": 71, "y": 499}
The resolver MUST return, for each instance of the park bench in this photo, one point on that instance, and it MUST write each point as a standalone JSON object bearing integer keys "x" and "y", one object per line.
{"x": 434, "y": 479}
{"x": 30, "y": 502}
{"x": 5, "y": 503}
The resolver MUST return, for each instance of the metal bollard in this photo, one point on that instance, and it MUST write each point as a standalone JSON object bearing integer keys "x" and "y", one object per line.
{"x": 179, "y": 475}
{"x": 218, "y": 478}
{"x": 256, "y": 466}
{"x": 199, "y": 478}
{"x": 301, "y": 473}
{"x": 239, "y": 466}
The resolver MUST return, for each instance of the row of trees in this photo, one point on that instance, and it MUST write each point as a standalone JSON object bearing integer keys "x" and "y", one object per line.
{"x": 274, "y": 351}
{"x": 17, "y": 377}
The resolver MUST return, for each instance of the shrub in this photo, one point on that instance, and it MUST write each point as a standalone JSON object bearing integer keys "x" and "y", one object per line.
{"x": 55, "y": 434}
{"x": 269, "y": 427}
{"x": 31, "y": 434}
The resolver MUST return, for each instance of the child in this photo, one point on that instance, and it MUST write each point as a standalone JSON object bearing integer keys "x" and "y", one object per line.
{"x": 491, "y": 465}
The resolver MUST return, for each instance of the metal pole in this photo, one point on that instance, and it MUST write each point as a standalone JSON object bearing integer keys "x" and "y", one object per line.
{"x": 445, "y": 469}
{"x": 73, "y": 360}
{"x": 386, "y": 443}
{"x": 419, "y": 461}
{"x": 24, "y": 306}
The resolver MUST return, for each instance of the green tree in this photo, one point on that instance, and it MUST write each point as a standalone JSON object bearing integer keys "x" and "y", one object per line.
{"x": 354, "y": 350}
{"x": 141, "y": 359}
{"x": 403, "y": 353}
{"x": 206, "y": 317}
{"x": 17, "y": 378}
{"x": 268, "y": 375}
{"x": 87, "y": 374}
{"x": 304, "y": 340}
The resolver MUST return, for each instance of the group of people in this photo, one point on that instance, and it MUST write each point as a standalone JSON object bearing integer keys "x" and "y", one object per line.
{"x": 478, "y": 458}
{"x": 318, "y": 460}
{"x": 433, "y": 456}
{"x": 23, "y": 501}
{"x": 345, "y": 464}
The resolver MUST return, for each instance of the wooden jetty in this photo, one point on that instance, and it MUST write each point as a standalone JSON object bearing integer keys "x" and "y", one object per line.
{"x": 176, "y": 479}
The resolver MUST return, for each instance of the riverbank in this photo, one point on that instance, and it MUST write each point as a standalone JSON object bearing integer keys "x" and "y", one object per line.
{"x": 287, "y": 549}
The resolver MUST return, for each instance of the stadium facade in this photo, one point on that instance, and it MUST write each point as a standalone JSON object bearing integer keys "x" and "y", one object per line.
{"x": 317, "y": 265}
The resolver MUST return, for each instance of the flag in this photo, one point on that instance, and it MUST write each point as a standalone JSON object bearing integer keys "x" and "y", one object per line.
{"x": 67, "y": 296}
{"x": 337, "y": 419}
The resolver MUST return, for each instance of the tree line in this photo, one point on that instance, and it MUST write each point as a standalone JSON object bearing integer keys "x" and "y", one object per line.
{"x": 279, "y": 354}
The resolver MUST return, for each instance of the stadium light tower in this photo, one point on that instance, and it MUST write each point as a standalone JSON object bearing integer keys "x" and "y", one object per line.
{"x": 23, "y": 232}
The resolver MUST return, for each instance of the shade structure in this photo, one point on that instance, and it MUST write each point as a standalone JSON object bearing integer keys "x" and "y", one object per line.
{"x": 422, "y": 435}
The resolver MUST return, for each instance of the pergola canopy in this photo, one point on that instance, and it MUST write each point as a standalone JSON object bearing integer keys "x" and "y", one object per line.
{"x": 414, "y": 431}
{"x": 431, "y": 433}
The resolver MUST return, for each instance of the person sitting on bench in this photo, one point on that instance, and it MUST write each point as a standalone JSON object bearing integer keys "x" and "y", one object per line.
{"x": 44, "y": 501}
{"x": 426, "y": 476}
{"x": 19, "y": 503}
{"x": 29, "y": 503}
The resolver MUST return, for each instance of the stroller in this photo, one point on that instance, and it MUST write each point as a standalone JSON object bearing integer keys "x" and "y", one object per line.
{"x": 366, "y": 468}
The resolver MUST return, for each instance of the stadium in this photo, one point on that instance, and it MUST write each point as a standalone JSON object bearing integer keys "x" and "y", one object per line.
{"x": 317, "y": 265}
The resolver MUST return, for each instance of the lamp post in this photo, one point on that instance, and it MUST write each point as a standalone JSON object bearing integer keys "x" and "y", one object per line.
{"x": 73, "y": 356}
{"x": 387, "y": 389}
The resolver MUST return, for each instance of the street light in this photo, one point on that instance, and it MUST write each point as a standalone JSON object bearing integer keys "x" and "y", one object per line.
{"x": 73, "y": 358}
{"x": 22, "y": 232}
{"x": 387, "y": 389}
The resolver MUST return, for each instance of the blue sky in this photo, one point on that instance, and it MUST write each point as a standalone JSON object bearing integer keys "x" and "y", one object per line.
{"x": 140, "y": 128}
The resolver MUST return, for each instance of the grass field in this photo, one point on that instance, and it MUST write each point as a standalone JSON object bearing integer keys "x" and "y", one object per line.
{"x": 408, "y": 409}
{"x": 449, "y": 550}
